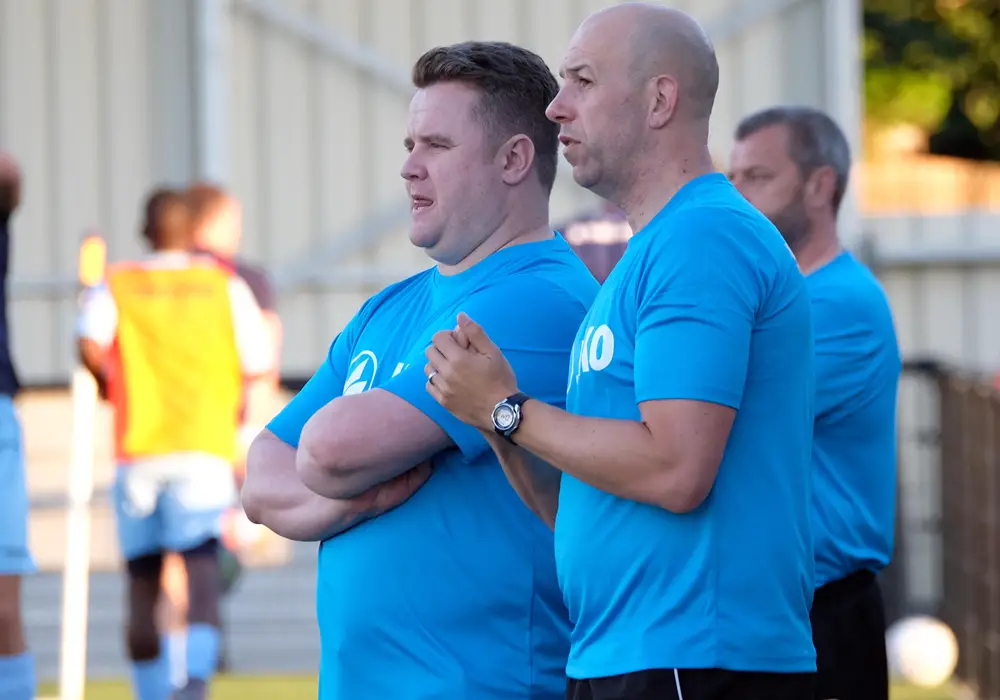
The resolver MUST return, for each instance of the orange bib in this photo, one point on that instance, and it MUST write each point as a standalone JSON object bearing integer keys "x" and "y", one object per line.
{"x": 175, "y": 378}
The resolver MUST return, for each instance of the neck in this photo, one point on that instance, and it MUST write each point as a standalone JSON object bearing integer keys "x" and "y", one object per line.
{"x": 661, "y": 175}
{"x": 818, "y": 248}
{"x": 527, "y": 223}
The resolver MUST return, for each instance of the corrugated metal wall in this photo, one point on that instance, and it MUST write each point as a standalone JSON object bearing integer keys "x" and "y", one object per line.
{"x": 89, "y": 103}
{"x": 942, "y": 274}
{"x": 318, "y": 141}
{"x": 99, "y": 100}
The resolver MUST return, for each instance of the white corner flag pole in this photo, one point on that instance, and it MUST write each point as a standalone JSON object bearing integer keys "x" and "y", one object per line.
{"x": 76, "y": 567}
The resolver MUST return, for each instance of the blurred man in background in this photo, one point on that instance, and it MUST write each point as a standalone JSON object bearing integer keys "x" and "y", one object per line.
{"x": 599, "y": 238}
{"x": 17, "y": 673}
{"x": 173, "y": 337}
{"x": 218, "y": 231}
{"x": 216, "y": 220}
{"x": 793, "y": 164}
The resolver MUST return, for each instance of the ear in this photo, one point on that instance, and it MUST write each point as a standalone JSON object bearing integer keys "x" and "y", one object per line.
{"x": 516, "y": 155}
{"x": 664, "y": 101}
{"x": 820, "y": 187}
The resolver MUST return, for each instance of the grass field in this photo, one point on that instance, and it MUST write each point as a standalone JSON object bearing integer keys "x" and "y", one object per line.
{"x": 304, "y": 688}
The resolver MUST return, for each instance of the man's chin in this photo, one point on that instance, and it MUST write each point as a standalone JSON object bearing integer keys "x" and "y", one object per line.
{"x": 423, "y": 239}
{"x": 585, "y": 177}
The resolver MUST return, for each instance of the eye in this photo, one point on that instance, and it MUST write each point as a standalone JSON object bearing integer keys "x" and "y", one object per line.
{"x": 584, "y": 82}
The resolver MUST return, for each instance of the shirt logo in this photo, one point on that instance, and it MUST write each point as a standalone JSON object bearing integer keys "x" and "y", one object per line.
{"x": 361, "y": 374}
{"x": 595, "y": 352}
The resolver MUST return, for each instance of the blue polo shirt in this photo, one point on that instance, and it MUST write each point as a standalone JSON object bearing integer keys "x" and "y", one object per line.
{"x": 854, "y": 441}
{"x": 454, "y": 593}
{"x": 707, "y": 304}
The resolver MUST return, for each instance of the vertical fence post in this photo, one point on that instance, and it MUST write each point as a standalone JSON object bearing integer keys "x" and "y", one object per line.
{"x": 845, "y": 93}
{"x": 76, "y": 569}
{"x": 211, "y": 86}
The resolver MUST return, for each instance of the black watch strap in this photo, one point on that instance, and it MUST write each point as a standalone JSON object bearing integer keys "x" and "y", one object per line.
{"x": 517, "y": 399}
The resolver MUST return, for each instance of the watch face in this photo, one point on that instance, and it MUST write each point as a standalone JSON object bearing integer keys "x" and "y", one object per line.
{"x": 503, "y": 417}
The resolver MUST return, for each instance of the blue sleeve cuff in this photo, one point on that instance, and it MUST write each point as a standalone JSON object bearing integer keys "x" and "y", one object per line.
{"x": 411, "y": 386}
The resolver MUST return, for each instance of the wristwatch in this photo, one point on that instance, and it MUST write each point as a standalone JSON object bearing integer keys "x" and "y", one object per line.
{"x": 507, "y": 415}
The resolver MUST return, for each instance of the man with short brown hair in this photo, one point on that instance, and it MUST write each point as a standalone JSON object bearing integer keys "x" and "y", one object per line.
{"x": 434, "y": 581}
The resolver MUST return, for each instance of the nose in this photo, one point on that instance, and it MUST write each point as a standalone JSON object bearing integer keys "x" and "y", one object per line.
{"x": 412, "y": 168}
{"x": 558, "y": 110}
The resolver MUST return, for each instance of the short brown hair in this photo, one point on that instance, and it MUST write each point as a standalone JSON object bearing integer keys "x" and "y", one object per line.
{"x": 167, "y": 220}
{"x": 814, "y": 140}
{"x": 515, "y": 86}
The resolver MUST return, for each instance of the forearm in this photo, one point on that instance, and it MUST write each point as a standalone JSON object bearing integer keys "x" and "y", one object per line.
{"x": 616, "y": 456}
{"x": 92, "y": 358}
{"x": 274, "y": 496}
{"x": 536, "y": 482}
{"x": 359, "y": 441}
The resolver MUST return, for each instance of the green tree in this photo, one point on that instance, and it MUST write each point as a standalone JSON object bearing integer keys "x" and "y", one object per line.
{"x": 936, "y": 64}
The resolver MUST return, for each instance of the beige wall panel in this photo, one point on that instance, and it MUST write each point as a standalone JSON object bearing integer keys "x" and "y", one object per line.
{"x": 74, "y": 96}
{"x": 340, "y": 128}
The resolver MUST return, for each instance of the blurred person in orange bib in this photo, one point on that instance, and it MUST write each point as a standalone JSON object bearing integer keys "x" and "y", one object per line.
{"x": 172, "y": 338}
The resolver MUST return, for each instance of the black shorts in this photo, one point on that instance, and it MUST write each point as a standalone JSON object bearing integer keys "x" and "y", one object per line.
{"x": 694, "y": 684}
{"x": 848, "y": 621}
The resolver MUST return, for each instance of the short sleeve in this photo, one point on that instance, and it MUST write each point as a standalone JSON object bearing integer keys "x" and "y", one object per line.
{"x": 260, "y": 284}
{"x": 98, "y": 316}
{"x": 695, "y": 315}
{"x": 857, "y": 355}
{"x": 326, "y": 384}
{"x": 536, "y": 338}
{"x": 253, "y": 336}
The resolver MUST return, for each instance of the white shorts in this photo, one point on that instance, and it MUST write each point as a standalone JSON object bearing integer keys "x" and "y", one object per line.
{"x": 172, "y": 503}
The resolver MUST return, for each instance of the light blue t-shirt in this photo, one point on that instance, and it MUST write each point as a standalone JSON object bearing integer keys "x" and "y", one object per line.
{"x": 707, "y": 304}
{"x": 454, "y": 593}
{"x": 854, "y": 440}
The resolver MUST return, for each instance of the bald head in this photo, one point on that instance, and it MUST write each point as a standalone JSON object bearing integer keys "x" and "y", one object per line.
{"x": 659, "y": 41}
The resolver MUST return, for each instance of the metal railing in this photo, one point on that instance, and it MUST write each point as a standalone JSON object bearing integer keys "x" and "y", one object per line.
{"x": 947, "y": 559}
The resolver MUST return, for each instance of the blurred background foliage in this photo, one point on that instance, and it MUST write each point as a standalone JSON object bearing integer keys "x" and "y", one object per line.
{"x": 935, "y": 65}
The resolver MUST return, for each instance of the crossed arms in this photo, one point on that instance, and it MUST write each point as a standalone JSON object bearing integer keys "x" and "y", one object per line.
{"x": 357, "y": 456}
{"x": 274, "y": 494}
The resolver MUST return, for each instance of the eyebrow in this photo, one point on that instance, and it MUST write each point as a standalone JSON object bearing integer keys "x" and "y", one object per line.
{"x": 409, "y": 142}
{"x": 573, "y": 69}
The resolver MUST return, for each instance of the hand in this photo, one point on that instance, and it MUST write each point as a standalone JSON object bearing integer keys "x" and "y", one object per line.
{"x": 10, "y": 184}
{"x": 383, "y": 497}
{"x": 468, "y": 374}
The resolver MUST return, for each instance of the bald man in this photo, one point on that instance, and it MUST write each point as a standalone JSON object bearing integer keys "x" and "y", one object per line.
{"x": 677, "y": 479}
